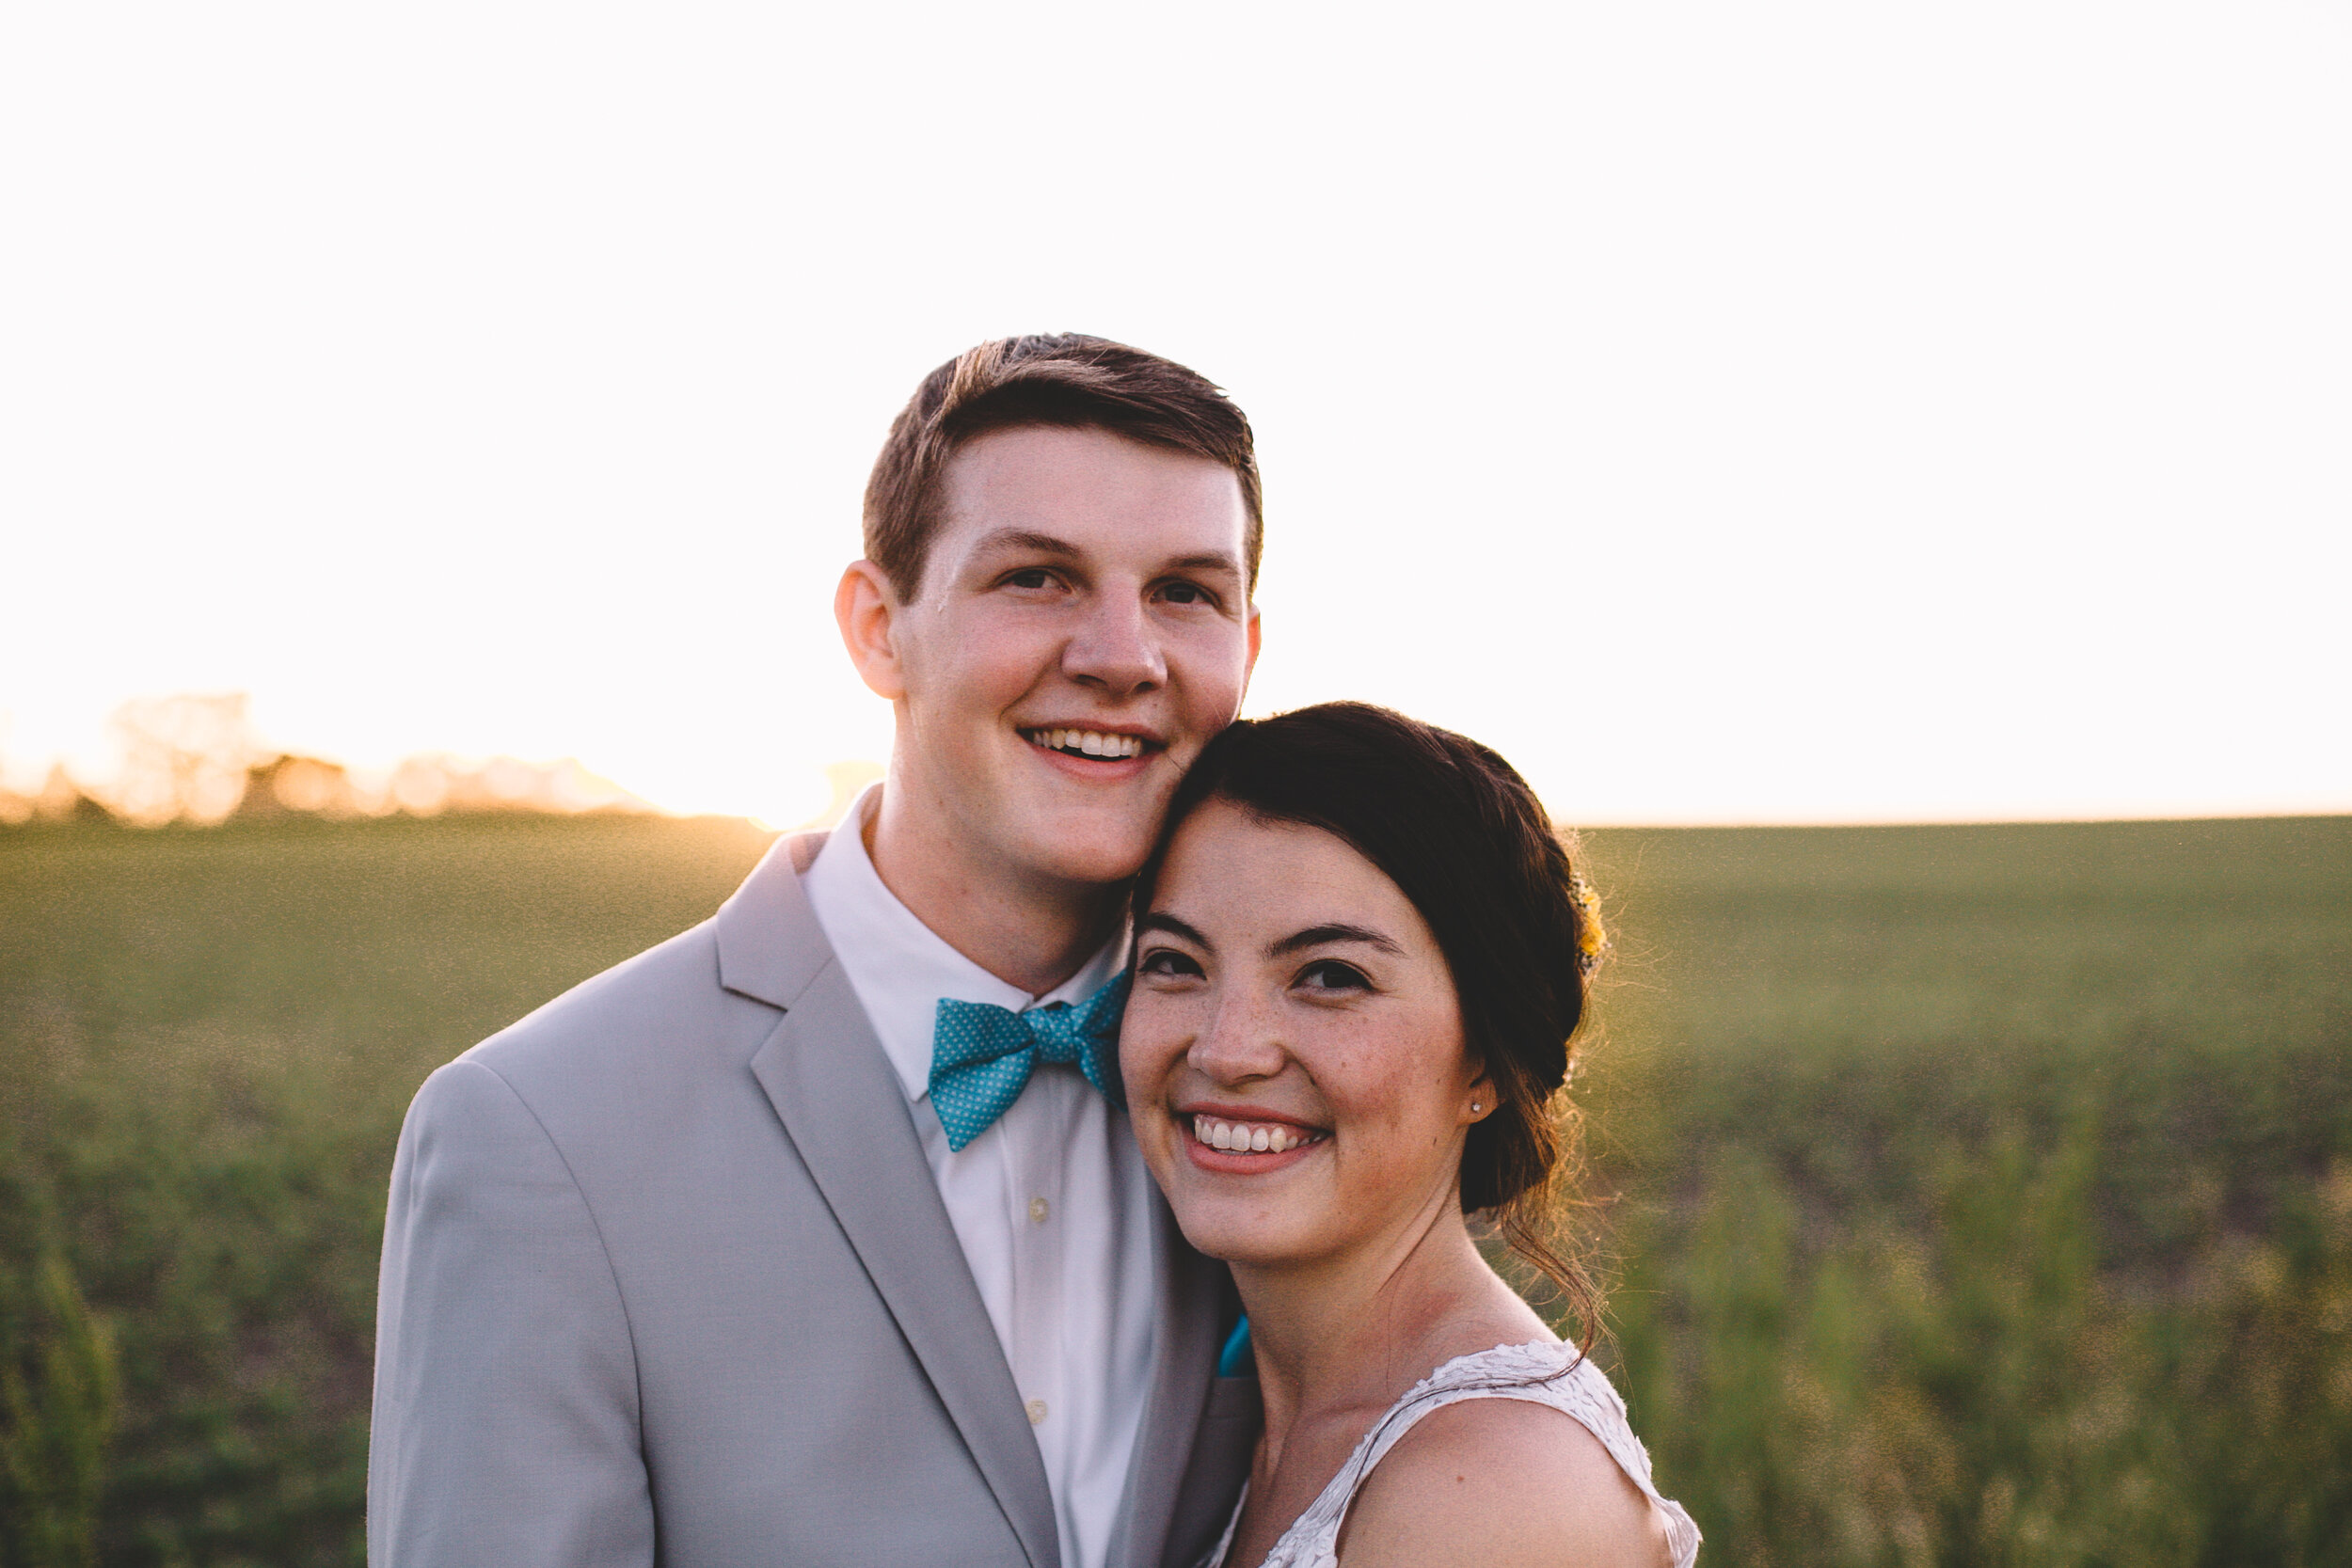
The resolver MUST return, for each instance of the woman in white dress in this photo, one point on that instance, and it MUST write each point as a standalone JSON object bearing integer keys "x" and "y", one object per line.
{"x": 1360, "y": 952}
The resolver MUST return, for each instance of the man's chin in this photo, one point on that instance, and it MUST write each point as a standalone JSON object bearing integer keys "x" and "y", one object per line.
{"x": 1066, "y": 836}
{"x": 1095, "y": 870}
{"x": 1075, "y": 853}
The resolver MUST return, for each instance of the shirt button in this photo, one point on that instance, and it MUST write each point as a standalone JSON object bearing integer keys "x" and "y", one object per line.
{"x": 1037, "y": 1413}
{"x": 1039, "y": 1208}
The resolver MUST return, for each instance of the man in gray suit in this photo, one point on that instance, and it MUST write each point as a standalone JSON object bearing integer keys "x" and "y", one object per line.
{"x": 816, "y": 1234}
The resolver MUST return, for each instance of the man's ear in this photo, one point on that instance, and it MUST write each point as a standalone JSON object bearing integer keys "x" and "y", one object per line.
{"x": 866, "y": 609}
{"x": 1250, "y": 667}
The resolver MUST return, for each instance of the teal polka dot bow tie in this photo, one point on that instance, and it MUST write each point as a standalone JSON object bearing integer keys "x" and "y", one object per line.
{"x": 982, "y": 1055}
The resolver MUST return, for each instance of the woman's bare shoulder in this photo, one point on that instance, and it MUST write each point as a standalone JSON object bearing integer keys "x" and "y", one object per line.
{"x": 1502, "y": 1483}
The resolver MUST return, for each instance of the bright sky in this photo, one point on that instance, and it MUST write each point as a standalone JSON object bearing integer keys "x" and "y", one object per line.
{"x": 1807, "y": 412}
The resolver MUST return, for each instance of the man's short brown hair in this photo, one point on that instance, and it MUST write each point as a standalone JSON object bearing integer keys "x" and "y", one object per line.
{"x": 1065, "y": 379}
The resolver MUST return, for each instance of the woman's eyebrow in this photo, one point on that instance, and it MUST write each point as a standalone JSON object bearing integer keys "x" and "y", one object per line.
{"x": 1160, "y": 919}
{"x": 1316, "y": 935}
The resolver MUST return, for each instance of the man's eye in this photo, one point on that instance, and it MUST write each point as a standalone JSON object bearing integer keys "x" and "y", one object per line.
{"x": 1031, "y": 577}
{"x": 1166, "y": 961}
{"x": 1331, "y": 975}
{"x": 1186, "y": 593}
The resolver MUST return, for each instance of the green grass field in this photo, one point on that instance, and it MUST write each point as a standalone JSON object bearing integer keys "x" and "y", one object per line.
{"x": 1978, "y": 1194}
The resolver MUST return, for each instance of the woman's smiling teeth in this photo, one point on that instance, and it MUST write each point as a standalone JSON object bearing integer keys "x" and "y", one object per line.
{"x": 1090, "y": 743}
{"x": 1251, "y": 1137}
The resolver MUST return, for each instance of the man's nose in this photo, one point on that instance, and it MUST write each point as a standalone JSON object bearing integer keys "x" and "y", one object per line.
{"x": 1115, "y": 650}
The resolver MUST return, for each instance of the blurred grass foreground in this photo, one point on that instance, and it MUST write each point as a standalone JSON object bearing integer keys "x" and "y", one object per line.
{"x": 1985, "y": 1195}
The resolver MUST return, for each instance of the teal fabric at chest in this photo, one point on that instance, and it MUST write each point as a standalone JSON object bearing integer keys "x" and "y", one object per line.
{"x": 982, "y": 1055}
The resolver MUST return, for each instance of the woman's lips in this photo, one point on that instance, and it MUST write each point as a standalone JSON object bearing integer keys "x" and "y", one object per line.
{"x": 1238, "y": 1147}
{"x": 1246, "y": 1137}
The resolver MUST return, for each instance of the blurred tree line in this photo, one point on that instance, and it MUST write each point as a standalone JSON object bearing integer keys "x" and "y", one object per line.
{"x": 197, "y": 759}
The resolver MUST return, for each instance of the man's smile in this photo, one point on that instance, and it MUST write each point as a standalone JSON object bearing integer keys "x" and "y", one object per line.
{"x": 1108, "y": 745}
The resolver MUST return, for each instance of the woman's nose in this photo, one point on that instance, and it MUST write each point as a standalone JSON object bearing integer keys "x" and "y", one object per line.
{"x": 1239, "y": 1043}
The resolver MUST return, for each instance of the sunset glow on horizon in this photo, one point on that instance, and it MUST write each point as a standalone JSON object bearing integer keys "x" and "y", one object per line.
{"x": 1829, "y": 415}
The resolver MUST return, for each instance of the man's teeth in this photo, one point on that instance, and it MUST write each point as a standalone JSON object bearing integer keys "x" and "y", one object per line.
{"x": 1092, "y": 743}
{"x": 1251, "y": 1137}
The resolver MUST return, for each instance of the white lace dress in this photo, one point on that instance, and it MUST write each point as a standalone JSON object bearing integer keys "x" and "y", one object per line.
{"x": 1541, "y": 1373}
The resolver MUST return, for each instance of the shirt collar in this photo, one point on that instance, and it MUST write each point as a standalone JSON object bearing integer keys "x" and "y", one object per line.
{"x": 899, "y": 967}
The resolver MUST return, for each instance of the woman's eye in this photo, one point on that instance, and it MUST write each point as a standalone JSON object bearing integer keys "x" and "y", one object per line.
{"x": 1166, "y": 961}
{"x": 1331, "y": 975}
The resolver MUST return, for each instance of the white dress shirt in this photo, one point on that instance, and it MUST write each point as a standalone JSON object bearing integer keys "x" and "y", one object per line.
{"x": 1051, "y": 1203}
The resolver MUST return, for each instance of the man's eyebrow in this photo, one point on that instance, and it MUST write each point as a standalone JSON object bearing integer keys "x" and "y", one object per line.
{"x": 1315, "y": 936}
{"x": 1160, "y": 919}
{"x": 1047, "y": 543}
{"x": 1024, "y": 539}
{"x": 1215, "y": 560}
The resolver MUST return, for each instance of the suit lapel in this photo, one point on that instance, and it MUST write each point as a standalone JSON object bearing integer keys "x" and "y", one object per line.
{"x": 830, "y": 1085}
{"x": 1184, "y": 1360}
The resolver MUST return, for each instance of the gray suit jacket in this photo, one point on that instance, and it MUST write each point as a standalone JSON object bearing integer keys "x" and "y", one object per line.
{"x": 666, "y": 1279}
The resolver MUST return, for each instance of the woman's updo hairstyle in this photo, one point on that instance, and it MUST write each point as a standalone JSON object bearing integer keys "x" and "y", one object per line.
{"x": 1462, "y": 836}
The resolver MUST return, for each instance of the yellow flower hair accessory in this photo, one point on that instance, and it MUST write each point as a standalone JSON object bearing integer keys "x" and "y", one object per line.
{"x": 1592, "y": 938}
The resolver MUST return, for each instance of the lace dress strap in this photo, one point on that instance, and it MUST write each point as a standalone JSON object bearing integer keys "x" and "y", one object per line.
{"x": 1544, "y": 1372}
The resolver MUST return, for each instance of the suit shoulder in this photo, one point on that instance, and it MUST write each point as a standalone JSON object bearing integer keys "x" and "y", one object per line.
{"x": 665, "y": 1001}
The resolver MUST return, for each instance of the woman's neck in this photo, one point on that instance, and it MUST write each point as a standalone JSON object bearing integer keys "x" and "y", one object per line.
{"x": 1357, "y": 1331}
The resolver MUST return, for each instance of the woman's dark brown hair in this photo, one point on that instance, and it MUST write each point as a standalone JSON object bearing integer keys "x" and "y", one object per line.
{"x": 1462, "y": 836}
